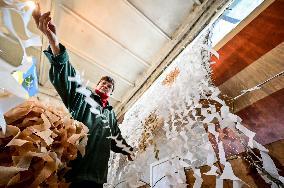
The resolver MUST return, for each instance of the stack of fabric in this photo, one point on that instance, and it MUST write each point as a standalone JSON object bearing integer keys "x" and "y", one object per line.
{"x": 38, "y": 144}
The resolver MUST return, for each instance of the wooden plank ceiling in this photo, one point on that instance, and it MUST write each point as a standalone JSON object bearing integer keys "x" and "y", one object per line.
{"x": 252, "y": 55}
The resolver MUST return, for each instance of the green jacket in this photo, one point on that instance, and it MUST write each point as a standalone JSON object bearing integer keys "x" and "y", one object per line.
{"x": 94, "y": 165}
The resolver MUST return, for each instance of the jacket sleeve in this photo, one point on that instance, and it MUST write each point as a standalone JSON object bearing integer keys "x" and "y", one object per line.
{"x": 126, "y": 148}
{"x": 59, "y": 72}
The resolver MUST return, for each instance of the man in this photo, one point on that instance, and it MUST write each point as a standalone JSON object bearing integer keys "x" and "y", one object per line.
{"x": 90, "y": 170}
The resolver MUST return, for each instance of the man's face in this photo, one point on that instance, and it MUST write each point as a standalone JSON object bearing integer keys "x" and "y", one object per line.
{"x": 105, "y": 87}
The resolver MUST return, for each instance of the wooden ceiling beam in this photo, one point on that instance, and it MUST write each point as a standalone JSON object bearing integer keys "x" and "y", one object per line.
{"x": 243, "y": 24}
{"x": 197, "y": 20}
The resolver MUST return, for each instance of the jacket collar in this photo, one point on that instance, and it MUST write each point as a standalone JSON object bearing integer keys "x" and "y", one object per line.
{"x": 98, "y": 100}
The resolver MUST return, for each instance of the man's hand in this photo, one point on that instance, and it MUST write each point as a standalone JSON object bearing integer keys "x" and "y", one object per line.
{"x": 45, "y": 25}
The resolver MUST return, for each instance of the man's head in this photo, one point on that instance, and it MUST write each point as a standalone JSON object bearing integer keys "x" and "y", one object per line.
{"x": 106, "y": 85}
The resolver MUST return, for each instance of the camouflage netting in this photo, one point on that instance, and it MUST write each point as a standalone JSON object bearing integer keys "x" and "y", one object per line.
{"x": 38, "y": 144}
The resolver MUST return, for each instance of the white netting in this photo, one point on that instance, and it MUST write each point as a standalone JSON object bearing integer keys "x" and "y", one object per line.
{"x": 171, "y": 121}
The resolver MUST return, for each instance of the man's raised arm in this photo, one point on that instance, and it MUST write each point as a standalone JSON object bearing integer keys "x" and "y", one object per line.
{"x": 58, "y": 57}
